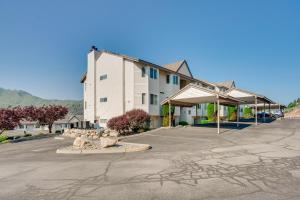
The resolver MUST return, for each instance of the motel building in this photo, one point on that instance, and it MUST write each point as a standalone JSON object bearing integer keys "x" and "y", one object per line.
{"x": 114, "y": 84}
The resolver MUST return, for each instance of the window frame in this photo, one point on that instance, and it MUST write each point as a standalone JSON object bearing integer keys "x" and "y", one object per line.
{"x": 175, "y": 80}
{"x": 168, "y": 79}
{"x": 103, "y": 77}
{"x": 103, "y": 99}
{"x": 143, "y": 98}
{"x": 153, "y": 99}
{"x": 143, "y": 71}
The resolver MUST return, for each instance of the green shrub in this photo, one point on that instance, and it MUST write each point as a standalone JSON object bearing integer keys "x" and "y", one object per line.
{"x": 211, "y": 112}
{"x": 165, "y": 114}
{"x": 3, "y": 138}
{"x": 232, "y": 113}
{"x": 166, "y": 121}
{"x": 247, "y": 113}
{"x": 183, "y": 123}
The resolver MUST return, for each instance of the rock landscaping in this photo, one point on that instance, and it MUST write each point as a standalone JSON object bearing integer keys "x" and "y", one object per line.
{"x": 90, "y": 133}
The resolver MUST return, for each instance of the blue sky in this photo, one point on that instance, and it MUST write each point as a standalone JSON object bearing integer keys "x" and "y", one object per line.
{"x": 43, "y": 44}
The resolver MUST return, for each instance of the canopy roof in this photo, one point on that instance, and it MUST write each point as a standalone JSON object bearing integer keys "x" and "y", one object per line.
{"x": 193, "y": 94}
{"x": 248, "y": 97}
{"x": 272, "y": 106}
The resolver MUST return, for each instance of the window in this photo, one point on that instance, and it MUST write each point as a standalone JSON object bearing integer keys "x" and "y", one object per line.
{"x": 189, "y": 112}
{"x": 153, "y": 99}
{"x": 104, "y": 99}
{"x": 175, "y": 80}
{"x": 143, "y": 71}
{"x": 143, "y": 98}
{"x": 168, "y": 79}
{"x": 85, "y": 105}
{"x": 153, "y": 73}
{"x": 103, "y": 77}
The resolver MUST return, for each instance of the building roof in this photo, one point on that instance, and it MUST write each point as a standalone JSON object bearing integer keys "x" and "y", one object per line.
{"x": 227, "y": 84}
{"x": 174, "y": 66}
{"x": 247, "y": 96}
{"x": 193, "y": 94}
{"x": 153, "y": 65}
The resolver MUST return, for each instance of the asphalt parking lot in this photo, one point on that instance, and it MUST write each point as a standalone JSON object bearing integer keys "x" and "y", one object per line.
{"x": 257, "y": 162}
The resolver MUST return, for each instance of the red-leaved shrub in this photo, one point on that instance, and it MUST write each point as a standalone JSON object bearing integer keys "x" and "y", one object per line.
{"x": 119, "y": 124}
{"x": 137, "y": 119}
{"x": 131, "y": 120}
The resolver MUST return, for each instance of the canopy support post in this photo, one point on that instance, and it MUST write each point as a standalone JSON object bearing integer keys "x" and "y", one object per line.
{"x": 170, "y": 123}
{"x": 238, "y": 115}
{"x": 218, "y": 110}
{"x": 269, "y": 110}
{"x": 255, "y": 110}
{"x": 264, "y": 112}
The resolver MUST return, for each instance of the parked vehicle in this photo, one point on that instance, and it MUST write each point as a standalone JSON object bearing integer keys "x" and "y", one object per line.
{"x": 261, "y": 115}
{"x": 278, "y": 114}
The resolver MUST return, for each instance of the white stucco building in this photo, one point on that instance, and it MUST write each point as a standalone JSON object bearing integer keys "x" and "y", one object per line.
{"x": 114, "y": 84}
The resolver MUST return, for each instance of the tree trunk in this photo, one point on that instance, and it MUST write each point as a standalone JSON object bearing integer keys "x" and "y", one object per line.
{"x": 50, "y": 127}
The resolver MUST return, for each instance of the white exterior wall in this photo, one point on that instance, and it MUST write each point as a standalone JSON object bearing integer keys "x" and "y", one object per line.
{"x": 89, "y": 88}
{"x": 141, "y": 86}
{"x": 111, "y": 88}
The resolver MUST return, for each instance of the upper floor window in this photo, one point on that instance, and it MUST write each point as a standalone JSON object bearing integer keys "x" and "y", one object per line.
{"x": 143, "y": 71}
{"x": 143, "y": 98}
{"x": 168, "y": 78}
{"x": 103, "y": 77}
{"x": 153, "y": 99}
{"x": 103, "y": 99}
{"x": 85, "y": 105}
{"x": 175, "y": 80}
{"x": 153, "y": 73}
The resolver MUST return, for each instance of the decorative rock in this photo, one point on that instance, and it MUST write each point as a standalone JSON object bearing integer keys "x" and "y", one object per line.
{"x": 106, "y": 131}
{"x": 104, "y": 134}
{"x": 108, "y": 141}
{"x": 114, "y": 133}
{"x": 77, "y": 142}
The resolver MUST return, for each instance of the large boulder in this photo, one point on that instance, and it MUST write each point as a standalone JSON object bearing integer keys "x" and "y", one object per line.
{"x": 84, "y": 142}
{"x": 108, "y": 141}
{"x": 77, "y": 142}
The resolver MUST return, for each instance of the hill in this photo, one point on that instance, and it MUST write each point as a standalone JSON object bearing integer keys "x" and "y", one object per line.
{"x": 12, "y": 98}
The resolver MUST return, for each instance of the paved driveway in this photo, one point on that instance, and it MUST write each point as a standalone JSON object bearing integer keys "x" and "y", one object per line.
{"x": 260, "y": 162}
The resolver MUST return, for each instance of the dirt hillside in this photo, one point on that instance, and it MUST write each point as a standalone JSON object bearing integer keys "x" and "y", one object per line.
{"x": 295, "y": 113}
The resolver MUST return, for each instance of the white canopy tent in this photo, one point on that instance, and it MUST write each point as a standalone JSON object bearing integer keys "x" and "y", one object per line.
{"x": 193, "y": 94}
{"x": 250, "y": 98}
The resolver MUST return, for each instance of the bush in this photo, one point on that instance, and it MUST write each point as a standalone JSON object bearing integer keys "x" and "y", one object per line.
{"x": 232, "y": 113}
{"x": 134, "y": 120}
{"x": 120, "y": 124}
{"x": 211, "y": 112}
{"x": 137, "y": 119}
{"x": 166, "y": 121}
{"x": 3, "y": 138}
{"x": 247, "y": 112}
{"x": 183, "y": 123}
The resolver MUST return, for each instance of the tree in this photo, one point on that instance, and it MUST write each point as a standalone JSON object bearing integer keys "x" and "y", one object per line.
{"x": 10, "y": 118}
{"x": 45, "y": 115}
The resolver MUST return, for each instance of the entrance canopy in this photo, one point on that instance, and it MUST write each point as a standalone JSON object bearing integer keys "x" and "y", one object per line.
{"x": 248, "y": 97}
{"x": 193, "y": 94}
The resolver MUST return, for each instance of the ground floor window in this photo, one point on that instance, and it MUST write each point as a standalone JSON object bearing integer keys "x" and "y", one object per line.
{"x": 153, "y": 99}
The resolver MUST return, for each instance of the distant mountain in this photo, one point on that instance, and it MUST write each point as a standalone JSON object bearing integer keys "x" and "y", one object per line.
{"x": 12, "y": 98}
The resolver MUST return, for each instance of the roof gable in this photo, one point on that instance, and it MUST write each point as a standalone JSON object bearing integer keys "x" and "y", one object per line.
{"x": 180, "y": 67}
